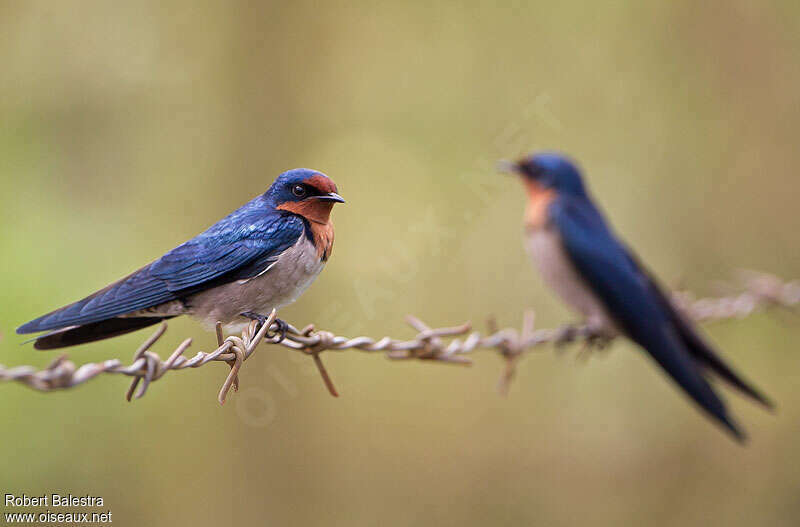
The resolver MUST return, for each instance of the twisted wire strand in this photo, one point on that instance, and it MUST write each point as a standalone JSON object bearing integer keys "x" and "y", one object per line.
{"x": 758, "y": 291}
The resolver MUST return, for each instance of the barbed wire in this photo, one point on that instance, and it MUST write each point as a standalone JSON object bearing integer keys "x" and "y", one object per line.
{"x": 757, "y": 291}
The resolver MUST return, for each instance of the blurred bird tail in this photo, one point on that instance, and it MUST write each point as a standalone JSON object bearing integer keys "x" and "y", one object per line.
{"x": 95, "y": 331}
{"x": 706, "y": 357}
{"x": 701, "y": 350}
{"x": 668, "y": 351}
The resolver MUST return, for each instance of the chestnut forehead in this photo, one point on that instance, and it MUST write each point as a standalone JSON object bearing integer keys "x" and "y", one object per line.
{"x": 321, "y": 183}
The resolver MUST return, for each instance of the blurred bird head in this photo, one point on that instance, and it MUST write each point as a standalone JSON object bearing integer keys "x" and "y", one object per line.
{"x": 308, "y": 193}
{"x": 547, "y": 171}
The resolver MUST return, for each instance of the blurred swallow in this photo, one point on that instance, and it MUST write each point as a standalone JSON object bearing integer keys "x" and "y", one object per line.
{"x": 594, "y": 272}
{"x": 262, "y": 256}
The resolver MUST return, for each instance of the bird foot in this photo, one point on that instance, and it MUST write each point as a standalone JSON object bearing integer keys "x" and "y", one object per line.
{"x": 598, "y": 341}
{"x": 594, "y": 343}
{"x": 566, "y": 334}
{"x": 283, "y": 326}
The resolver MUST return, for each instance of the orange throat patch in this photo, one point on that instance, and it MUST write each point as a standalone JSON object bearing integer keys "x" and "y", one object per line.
{"x": 318, "y": 214}
{"x": 323, "y": 239}
{"x": 539, "y": 198}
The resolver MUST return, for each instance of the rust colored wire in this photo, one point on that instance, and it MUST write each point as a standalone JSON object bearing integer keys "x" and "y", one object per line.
{"x": 448, "y": 345}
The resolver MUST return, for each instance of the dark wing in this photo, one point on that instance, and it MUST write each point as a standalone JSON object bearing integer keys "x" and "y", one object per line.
{"x": 627, "y": 295}
{"x": 697, "y": 345}
{"x": 217, "y": 256}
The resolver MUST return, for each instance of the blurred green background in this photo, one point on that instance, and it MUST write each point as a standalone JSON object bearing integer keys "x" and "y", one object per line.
{"x": 129, "y": 127}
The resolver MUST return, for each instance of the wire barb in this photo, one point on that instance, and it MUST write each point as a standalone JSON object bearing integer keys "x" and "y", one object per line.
{"x": 759, "y": 291}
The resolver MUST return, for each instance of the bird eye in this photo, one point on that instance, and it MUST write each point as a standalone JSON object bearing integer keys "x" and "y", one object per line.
{"x": 299, "y": 191}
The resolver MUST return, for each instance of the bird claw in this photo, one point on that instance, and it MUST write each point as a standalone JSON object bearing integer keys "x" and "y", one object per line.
{"x": 595, "y": 342}
{"x": 566, "y": 334}
{"x": 283, "y": 328}
{"x": 252, "y": 315}
{"x": 598, "y": 341}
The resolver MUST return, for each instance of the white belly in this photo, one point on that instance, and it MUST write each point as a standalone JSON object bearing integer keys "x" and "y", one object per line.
{"x": 284, "y": 281}
{"x": 545, "y": 248}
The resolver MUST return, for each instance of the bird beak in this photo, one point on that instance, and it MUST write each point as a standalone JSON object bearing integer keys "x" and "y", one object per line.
{"x": 330, "y": 196}
{"x": 507, "y": 167}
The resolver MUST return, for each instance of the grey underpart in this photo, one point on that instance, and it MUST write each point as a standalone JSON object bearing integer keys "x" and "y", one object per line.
{"x": 279, "y": 284}
{"x": 547, "y": 251}
{"x": 285, "y": 280}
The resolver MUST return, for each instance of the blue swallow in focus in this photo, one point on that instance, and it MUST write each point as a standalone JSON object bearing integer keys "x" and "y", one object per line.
{"x": 600, "y": 277}
{"x": 262, "y": 256}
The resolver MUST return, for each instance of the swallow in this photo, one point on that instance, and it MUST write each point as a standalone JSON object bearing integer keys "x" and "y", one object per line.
{"x": 262, "y": 256}
{"x": 599, "y": 276}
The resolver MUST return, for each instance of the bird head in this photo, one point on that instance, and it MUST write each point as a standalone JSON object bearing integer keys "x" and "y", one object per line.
{"x": 307, "y": 193}
{"x": 542, "y": 171}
